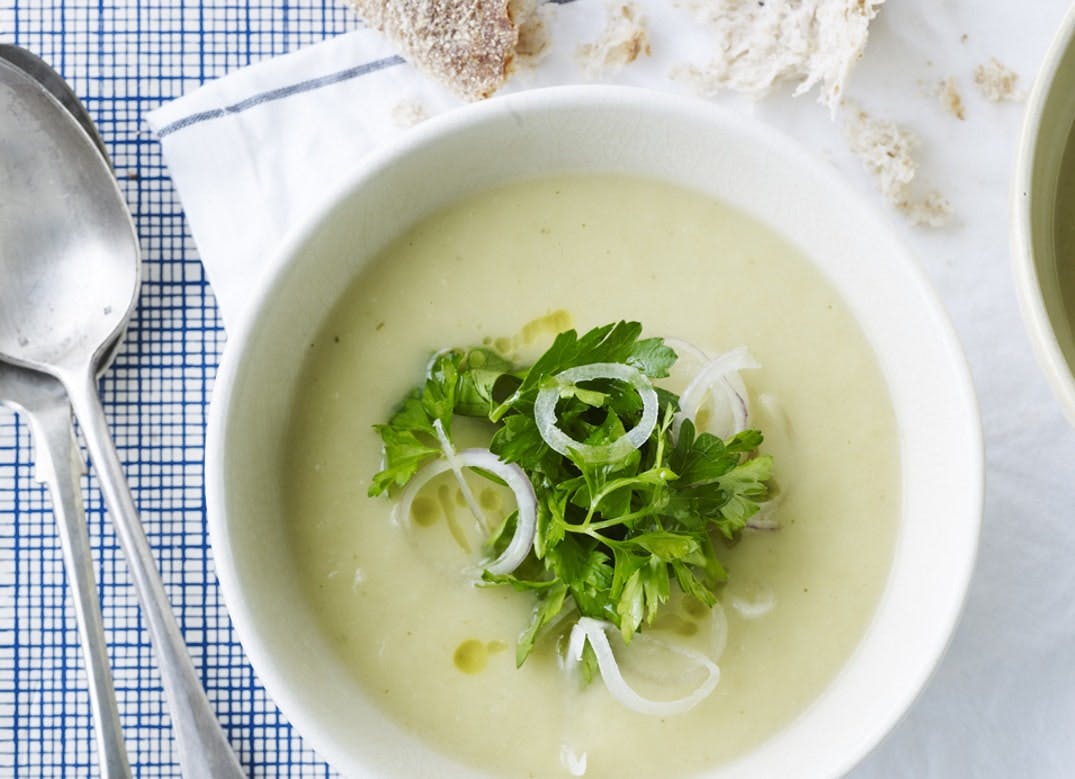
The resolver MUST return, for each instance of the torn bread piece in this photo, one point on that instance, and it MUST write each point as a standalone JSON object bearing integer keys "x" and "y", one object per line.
{"x": 467, "y": 45}
{"x": 887, "y": 151}
{"x": 533, "y": 19}
{"x": 762, "y": 44}
{"x": 621, "y": 42}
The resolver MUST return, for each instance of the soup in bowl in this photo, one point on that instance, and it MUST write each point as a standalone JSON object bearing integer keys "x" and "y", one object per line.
{"x": 602, "y": 247}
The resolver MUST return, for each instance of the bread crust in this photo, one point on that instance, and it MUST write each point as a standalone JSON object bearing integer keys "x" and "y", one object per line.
{"x": 468, "y": 45}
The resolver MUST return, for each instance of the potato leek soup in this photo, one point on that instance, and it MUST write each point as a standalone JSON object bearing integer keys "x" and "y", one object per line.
{"x": 635, "y": 476}
{"x": 1064, "y": 245}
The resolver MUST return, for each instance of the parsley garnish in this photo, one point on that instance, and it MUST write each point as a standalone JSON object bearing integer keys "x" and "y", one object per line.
{"x": 611, "y": 536}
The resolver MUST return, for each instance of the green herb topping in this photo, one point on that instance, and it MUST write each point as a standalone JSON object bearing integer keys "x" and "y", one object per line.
{"x": 612, "y": 533}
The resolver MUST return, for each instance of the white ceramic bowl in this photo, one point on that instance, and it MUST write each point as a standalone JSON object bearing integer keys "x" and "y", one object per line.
{"x": 1049, "y": 120}
{"x": 690, "y": 143}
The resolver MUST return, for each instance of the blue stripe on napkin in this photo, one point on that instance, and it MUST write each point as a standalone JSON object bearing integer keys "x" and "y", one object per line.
{"x": 280, "y": 93}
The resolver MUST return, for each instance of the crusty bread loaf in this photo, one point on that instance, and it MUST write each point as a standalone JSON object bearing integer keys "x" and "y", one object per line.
{"x": 468, "y": 45}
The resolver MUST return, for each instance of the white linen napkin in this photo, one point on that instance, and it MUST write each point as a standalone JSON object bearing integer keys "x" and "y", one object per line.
{"x": 253, "y": 154}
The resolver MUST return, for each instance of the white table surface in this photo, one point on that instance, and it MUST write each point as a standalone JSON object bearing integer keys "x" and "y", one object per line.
{"x": 1002, "y": 702}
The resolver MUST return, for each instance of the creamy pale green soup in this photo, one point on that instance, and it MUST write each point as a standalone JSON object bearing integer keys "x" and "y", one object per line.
{"x": 437, "y": 653}
{"x": 1064, "y": 236}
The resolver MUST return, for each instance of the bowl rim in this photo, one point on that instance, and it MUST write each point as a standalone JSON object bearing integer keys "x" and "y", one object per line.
{"x": 1059, "y": 374}
{"x": 531, "y": 100}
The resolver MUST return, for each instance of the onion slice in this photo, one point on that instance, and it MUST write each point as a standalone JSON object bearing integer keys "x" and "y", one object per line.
{"x": 720, "y": 371}
{"x": 560, "y": 442}
{"x": 573, "y": 761}
{"x": 457, "y": 469}
{"x": 756, "y": 607}
{"x": 593, "y": 630}
{"x": 766, "y": 517}
{"x": 681, "y": 347}
{"x": 514, "y": 476}
{"x": 433, "y": 359}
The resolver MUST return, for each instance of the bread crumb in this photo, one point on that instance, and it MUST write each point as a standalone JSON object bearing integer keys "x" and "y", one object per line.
{"x": 762, "y": 44}
{"x": 622, "y": 41}
{"x": 933, "y": 210}
{"x": 996, "y": 82}
{"x": 887, "y": 151}
{"x": 531, "y": 19}
{"x": 951, "y": 99}
{"x": 467, "y": 45}
{"x": 946, "y": 93}
{"x": 407, "y": 113}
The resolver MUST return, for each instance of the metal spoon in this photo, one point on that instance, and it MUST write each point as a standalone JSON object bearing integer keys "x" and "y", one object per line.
{"x": 41, "y": 399}
{"x": 70, "y": 263}
{"x": 41, "y": 72}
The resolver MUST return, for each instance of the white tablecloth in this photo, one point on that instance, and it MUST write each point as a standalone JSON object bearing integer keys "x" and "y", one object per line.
{"x": 1002, "y": 703}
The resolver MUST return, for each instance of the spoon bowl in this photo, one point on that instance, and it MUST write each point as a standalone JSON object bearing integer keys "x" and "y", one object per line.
{"x": 70, "y": 258}
{"x": 43, "y": 73}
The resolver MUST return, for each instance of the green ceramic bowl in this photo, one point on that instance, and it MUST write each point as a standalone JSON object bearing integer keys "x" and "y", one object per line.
{"x": 1043, "y": 206}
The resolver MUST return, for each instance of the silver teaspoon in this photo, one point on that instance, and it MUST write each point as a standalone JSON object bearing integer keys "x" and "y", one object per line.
{"x": 70, "y": 264}
{"x": 42, "y": 401}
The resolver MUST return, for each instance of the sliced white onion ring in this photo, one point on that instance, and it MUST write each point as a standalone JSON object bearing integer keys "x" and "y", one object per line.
{"x": 545, "y": 412}
{"x": 722, "y": 371}
{"x": 755, "y": 606}
{"x": 573, "y": 761}
{"x": 513, "y": 476}
{"x": 736, "y": 392}
{"x": 457, "y": 469}
{"x": 766, "y": 517}
{"x": 593, "y": 630}
{"x": 433, "y": 359}
{"x": 682, "y": 347}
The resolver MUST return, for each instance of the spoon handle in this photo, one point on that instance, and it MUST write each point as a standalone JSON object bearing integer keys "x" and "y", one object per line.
{"x": 57, "y": 463}
{"x": 203, "y": 749}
